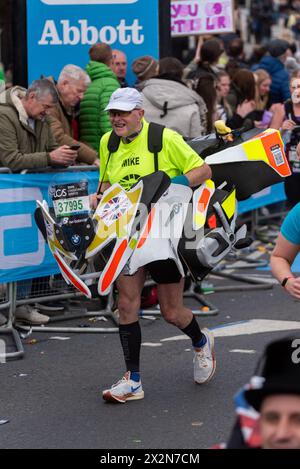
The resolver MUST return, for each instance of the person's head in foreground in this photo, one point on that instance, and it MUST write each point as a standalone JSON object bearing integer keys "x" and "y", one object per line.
{"x": 276, "y": 395}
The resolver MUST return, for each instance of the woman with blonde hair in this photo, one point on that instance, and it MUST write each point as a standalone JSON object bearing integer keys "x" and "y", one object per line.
{"x": 264, "y": 116}
{"x": 262, "y": 88}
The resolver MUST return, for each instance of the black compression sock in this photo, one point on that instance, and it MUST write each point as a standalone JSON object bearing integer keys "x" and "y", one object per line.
{"x": 194, "y": 332}
{"x": 131, "y": 338}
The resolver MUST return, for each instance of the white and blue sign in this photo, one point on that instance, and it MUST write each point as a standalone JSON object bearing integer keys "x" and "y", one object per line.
{"x": 23, "y": 251}
{"x": 60, "y": 32}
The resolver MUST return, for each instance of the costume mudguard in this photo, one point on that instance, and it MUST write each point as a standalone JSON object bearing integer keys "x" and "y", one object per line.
{"x": 156, "y": 220}
{"x": 249, "y": 165}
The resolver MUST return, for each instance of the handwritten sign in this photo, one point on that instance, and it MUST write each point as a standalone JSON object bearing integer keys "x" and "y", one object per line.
{"x": 201, "y": 17}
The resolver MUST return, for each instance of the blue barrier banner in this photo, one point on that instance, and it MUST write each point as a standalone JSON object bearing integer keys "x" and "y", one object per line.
{"x": 268, "y": 196}
{"x": 23, "y": 251}
{"x": 61, "y": 32}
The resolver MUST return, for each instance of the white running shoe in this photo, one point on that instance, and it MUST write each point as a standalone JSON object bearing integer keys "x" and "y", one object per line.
{"x": 124, "y": 390}
{"x": 30, "y": 315}
{"x": 204, "y": 359}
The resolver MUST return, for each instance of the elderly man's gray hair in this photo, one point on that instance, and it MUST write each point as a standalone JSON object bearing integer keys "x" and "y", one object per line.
{"x": 42, "y": 88}
{"x": 75, "y": 73}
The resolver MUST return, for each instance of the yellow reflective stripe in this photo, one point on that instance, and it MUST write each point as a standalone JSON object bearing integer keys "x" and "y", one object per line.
{"x": 133, "y": 243}
{"x": 229, "y": 205}
{"x": 199, "y": 219}
{"x": 209, "y": 183}
{"x": 254, "y": 150}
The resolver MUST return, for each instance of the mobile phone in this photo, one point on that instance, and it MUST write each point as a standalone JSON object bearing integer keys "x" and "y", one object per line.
{"x": 267, "y": 117}
{"x": 75, "y": 147}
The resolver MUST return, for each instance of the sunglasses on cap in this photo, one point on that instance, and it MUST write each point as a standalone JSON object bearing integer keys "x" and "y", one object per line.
{"x": 115, "y": 113}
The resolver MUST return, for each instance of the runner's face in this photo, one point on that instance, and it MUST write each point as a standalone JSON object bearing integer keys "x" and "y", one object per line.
{"x": 125, "y": 123}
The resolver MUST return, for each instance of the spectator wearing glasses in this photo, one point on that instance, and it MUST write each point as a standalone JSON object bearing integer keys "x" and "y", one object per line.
{"x": 27, "y": 143}
{"x": 26, "y": 138}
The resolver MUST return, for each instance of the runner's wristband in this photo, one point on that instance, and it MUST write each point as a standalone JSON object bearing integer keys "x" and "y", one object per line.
{"x": 182, "y": 179}
{"x": 284, "y": 281}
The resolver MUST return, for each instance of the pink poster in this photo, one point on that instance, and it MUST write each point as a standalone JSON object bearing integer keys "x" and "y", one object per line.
{"x": 201, "y": 17}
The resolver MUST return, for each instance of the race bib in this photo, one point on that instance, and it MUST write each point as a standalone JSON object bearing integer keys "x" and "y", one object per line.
{"x": 71, "y": 199}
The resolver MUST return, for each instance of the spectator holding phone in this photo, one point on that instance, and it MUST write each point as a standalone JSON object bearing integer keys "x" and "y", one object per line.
{"x": 264, "y": 115}
{"x": 26, "y": 138}
{"x": 28, "y": 143}
{"x": 263, "y": 83}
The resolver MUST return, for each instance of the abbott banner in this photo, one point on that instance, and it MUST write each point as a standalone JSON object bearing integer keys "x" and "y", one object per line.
{"x": 60, "y": 32}
{"x": 23, "y": 251}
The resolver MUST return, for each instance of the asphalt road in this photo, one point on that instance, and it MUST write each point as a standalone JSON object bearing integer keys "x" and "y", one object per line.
{"x": 52, "y": 397}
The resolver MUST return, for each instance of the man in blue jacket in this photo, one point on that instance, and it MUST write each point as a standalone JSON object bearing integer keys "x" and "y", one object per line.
{"x": 273, "y": 62}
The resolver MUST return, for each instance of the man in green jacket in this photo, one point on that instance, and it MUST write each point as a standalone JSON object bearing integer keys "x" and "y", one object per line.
{"x": 94, "y": 121}
{"x": 26, "y": 138}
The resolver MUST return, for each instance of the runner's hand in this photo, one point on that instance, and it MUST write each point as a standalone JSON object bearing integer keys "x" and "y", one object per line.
{"x": 292, "y": 286}
{"x": 94, "y": 200}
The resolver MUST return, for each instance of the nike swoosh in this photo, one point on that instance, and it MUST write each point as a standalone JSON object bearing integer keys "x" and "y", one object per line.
{"x": 135, "y": 389}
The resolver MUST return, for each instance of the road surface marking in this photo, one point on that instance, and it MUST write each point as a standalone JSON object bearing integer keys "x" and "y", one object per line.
{"x": 253, "y": 326}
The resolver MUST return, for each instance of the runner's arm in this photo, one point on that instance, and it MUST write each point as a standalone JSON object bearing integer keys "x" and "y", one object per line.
{"x": 281, "y": 260}
{"x": 95, "y": 198}
{"x": 198, "y": 175}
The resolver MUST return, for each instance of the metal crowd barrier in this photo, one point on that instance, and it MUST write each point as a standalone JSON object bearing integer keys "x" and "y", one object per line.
{"x": 43, "y": 293}
{"x": 10, "y": 298}
{"x": 67, "y": 291}
{"x": 8, "y": 302}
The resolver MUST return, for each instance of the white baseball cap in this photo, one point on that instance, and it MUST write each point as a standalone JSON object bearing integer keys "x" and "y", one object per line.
{"x": 125, "y": 99}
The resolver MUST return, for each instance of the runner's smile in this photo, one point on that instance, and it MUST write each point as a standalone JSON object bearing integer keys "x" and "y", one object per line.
{"x": 125, "y": 123}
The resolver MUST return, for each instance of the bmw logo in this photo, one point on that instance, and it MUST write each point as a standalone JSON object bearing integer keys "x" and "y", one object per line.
{"x": 75, "y": 239}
